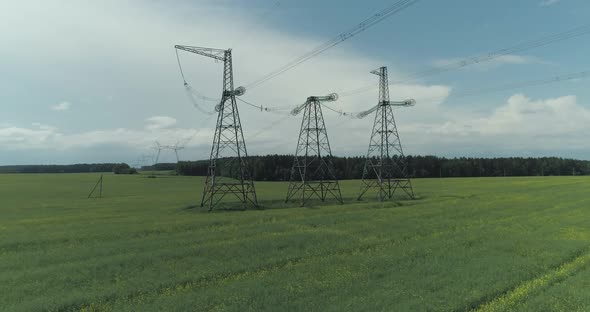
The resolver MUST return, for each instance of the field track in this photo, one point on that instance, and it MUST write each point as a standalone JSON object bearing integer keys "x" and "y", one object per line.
{"x": 481, "y": 244}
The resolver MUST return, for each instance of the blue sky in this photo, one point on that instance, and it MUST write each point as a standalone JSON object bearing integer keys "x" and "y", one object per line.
{"x": 88, "y": 81}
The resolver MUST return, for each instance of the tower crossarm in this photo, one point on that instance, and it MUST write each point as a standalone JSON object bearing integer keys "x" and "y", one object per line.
{"x": 217, "y": 54}
{"x": 409, "y": 102}
{"x": 298, "y": 109}
{"x": 325, "y": 98}
{"x": 405, "y": 103}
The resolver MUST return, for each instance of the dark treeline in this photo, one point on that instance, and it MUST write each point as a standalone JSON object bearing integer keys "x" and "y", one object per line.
{"x": 278, "y": 167}
{"x": 77, "y": 168}
{"x": 160, "y": 167}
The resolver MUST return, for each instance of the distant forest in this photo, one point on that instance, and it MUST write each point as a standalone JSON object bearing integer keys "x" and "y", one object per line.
{"x": 278, "y": 167}
{"x": 77, "y": 168}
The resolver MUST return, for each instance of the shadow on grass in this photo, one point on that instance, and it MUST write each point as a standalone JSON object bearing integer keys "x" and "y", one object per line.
{"x": 221, "y": 207}
{"x": 469, "y": 196}
{"x": 312, "y": 204}
{"x": 191, "y": 207}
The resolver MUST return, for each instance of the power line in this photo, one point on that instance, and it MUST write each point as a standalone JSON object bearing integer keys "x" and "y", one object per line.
{"x": 192, "y": 94}
{"x": 275, "y": 109}
{"x": 261, "y": 17}
{"x": 364, "y": 25}
{"x": 523, "y": 46}
{"x": 253, "y": 105}
{"x": 197, "y": 131}
{"x": 521, "y": 84}
{"x": 180, "y": 66}
{"x": 508, "y": 86}
{"x": 272, "y": 125}
{"x": 339, "y": 112}
{"x": 275, "y": 5}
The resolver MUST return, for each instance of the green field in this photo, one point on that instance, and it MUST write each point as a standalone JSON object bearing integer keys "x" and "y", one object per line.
{"x": 490, "y": 244}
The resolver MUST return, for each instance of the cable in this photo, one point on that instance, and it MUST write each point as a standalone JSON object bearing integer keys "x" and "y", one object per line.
{"x": 339, "y": 112}
{"x": 575, "y": 32}
{"x": 194, "y": 92}
{"x": 275, "y": 110}
{"x": 278, "y": 121}
{"x": 191, "y": 93}
{"x": 554, "y": 79}
{"x": 204, "y": 121}
{"x": 509, "y": 86}
{"x": 364, "y": 25}
{"x": 275, "y": 5}
{"x": 248, "y": 103}
{"x": 260, "y": 18}
{"x": 180, "y": 66}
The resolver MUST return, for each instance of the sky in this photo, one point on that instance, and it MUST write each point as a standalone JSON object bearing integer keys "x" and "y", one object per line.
{"x": 98, "y": 81}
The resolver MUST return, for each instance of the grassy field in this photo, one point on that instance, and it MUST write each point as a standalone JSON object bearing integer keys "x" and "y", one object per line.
{"x": 489, "y": 244}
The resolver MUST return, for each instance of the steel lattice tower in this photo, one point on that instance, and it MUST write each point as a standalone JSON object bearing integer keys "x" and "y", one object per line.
{"x": 313, "y": 174}
{"x": 229, "y": 171}
{"x": 385, "y": 167}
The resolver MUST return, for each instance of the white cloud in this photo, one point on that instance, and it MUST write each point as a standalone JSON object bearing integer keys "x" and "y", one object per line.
{"x": 160, "y": 122}
{"x": 548, "y": 126}
{"x": 43, "y": 137}
{"x": 62, "y": 106}
{"x": 520, "y": 126}
{"x": 130, "y": 68}
{"x": 134, "y": 41}
{"x": 548, "y": 2}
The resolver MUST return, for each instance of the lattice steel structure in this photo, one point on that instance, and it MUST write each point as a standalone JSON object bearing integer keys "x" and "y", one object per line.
{"x": 229, "y": 171}
{"x": 385, "y": 167}
{"x": 312, "y": 175}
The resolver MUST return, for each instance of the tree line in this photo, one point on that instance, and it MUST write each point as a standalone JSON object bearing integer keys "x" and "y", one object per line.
{"x": 119, "y": 168}
{"x": 278, "y": 167}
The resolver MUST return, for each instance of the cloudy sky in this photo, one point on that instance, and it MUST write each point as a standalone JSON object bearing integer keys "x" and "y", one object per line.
{"x": 98, "y": 81}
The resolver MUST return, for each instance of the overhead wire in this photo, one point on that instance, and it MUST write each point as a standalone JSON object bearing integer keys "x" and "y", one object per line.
{"x": 261, "y": 108}
{"x": 369, "y": 22}
{"x": 339, "y": 112}
{"x": 204, "y": 121}
{"x": 364, "y": 25}
{"x": 180, "y": 66}
{"x": 493, "y": 55}
{"x": 192, "y": 93}
{"x": 514, "y": 85}
{"x": 275, "y": 109}
{"x": 272, "y": 125}
{"x": 260, "y": 18}
{"x": 503, "y": 87}
{"x": 275, "y": 5}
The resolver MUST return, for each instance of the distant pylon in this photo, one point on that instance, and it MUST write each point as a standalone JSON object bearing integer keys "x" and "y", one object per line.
{"x": 385, "y": 167}
{"x": 313, "y": 174}
{"x": 158, "y": 149}
{"x": 97, "y": 186}
{"x": 229, "y": 172}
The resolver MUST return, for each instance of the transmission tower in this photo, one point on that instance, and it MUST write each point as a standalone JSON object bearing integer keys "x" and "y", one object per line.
{"x": 385, "y": 167}
{"x": 158, "y": 148}
{"x": 177, "y": 147}
{"x": 313, "y": 174}
{"x": 229, "y": 172}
